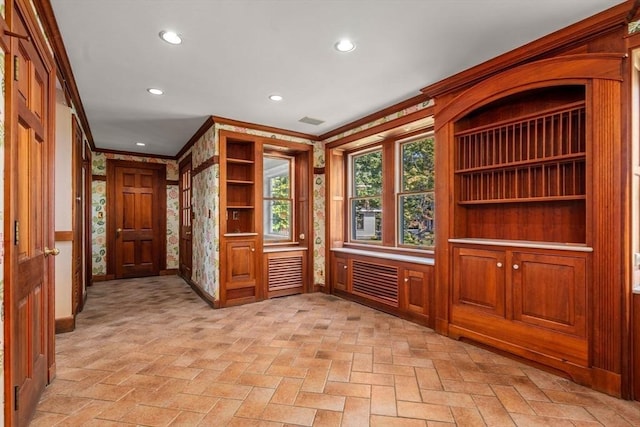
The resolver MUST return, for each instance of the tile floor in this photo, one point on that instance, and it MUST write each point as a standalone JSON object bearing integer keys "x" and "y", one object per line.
{"x": 150, "y": 352}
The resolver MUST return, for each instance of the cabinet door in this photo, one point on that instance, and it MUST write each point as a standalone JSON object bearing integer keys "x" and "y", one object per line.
{"x": 240, "y": 280}
{"x": 549, "y": 291}
{"x": 416, "y": 291}
{"x": 478, "y": 280}
{"x": 339, "y": 273}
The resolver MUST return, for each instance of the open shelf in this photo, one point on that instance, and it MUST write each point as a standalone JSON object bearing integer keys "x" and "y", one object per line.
{"x": 529, "y": 158}
{"x": 240, "y": 185}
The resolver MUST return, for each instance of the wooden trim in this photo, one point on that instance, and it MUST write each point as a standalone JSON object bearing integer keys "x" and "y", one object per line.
{"x": 213, "y": 160}
{"x": 279, "y": 131}
{"x": 208, "y": 123}
{"x": 418, "y": 99}
{"x": 569, "y": 69}
{"x": 201, "y": 293}
{"x": 561, "y": 40}
{"x": 169, "y": 272}
{"x": 64, "y": 236}
{"x": 99, "y": 178}
{"x": 47, "y": 17}
{"x": 172, "y": 182}
{"x": 103, "y": 277}
{"x": 401, "y": 121}
{"x": 66, "y": 324}
{"x": 5, "y": 40}
{"x": 319, "y": 171}
{"x": 131, "y": 153}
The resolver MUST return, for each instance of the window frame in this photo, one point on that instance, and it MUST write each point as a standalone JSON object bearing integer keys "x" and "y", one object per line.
{"x": 392, "y": 169}
{"x": 290, "y": 199}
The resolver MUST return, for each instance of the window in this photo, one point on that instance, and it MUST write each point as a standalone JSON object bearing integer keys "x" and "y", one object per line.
{"x": 406, "y": 201}
{"x": 278, "y": 200}
{"x": 366, "y": 196}
{"x": 416, "y": 195}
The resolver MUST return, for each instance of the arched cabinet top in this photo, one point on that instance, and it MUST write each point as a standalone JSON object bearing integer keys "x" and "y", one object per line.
{"x": 558, "y": 71}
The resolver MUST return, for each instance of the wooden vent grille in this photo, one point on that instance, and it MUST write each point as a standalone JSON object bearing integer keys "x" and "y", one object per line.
{"x": 379, "y": 282}
{"x": 285, "y": 273}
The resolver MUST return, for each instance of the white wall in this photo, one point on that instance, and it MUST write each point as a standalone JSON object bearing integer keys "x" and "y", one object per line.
{"x": 63, "y": 207}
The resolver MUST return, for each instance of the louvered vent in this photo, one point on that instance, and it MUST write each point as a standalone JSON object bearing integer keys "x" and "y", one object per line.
{"x": 379, "y": 282}
{"x": 285, "y": 273}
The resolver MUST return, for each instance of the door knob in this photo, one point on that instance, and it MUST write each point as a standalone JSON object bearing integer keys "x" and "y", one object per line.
{"x": 499, "y": 265}
{"x": 516, "y": 266}
{"x": 118, "y": 231}
{"x": 52, "y": 252}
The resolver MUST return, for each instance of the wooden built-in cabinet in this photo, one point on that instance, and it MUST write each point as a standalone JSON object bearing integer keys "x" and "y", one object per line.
{"x": 390, "y": 283}
{"x": 534, "y": 300}
{"x": 240, "y": 180}
{"x": 251, "y": 270}
{"x": 529, "y": 221}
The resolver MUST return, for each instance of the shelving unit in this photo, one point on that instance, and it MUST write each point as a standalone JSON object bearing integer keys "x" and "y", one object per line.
{"x": 534, "y": 158}
{"x": 240, "y": 186}
{"x": 520, "y": 168}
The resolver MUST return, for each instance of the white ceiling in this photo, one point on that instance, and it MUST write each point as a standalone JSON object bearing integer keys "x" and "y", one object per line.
{"x": 237, "y": 52}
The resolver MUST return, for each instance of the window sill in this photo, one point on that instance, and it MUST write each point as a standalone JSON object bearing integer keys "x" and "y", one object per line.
{"x": 272, "y": 249}
{"x": 386, "y": 255}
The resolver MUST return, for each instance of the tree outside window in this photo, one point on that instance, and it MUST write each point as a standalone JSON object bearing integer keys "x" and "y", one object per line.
{"x": 366, "y": 196}
{"x": 278, "y": 202}
{"x": 416, "y": 198}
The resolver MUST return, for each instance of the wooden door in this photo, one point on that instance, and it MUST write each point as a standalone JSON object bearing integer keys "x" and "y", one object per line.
{"x": 479, "y": 281}
{"x": 29, "y": 327}
{"x": 240, "y": 283}
{"x": 185, "y": 218}
{"x": 77, "y": 285}
{"x": 339, "y": 273}
{"x": 137, "y": 218}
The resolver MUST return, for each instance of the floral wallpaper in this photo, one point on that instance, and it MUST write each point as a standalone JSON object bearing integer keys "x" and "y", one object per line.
{"x": 385, "y": 119}
{"x": 319, "y": 219}
{"x": 173, "y": 226}
{"x": 99, "y": 227}
{"x": 99, "y": 214}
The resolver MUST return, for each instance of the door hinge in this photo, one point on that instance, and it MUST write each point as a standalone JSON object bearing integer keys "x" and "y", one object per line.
{"x": 16, "y": 232}
{"x": 16, "y": 393}
{"x": 16, "y": 67}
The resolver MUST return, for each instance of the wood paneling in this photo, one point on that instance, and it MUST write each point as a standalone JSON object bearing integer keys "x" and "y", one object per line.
{"x": 607, "y": 174}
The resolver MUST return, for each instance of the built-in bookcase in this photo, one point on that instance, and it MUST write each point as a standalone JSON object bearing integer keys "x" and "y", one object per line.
{"x": 523, "y": 166}
{"x": 240, "y": 186}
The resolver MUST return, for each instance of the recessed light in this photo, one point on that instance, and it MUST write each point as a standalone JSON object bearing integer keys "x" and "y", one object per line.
{"x": 155, "y": 91}
{"x": 171, "y": 37}
{"x": 345, "y": 45}
{"x": 140, "y": 144}
{"x": 275, "y": 97}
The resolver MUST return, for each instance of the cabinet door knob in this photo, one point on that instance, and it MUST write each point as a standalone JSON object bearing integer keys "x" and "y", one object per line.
{"x": 516, "y": 266}
{"x": 406, "y": 279}
{"x": 499, "y": 265}
{"x": 344, "y": 266}
{"x": 253, "y": 249}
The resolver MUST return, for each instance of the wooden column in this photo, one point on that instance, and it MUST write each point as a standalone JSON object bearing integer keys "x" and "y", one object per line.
{"x": 606, "y": 229}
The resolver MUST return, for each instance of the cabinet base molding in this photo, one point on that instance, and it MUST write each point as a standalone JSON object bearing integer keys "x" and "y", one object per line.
{"x": 421, "y": 320}
{"x": 65, "y": 324}
{"x": 103, "y": 278}
{"x": 201, "y": 293}
{"x": 607, "y": 382}
{"x": 579, "y": 374}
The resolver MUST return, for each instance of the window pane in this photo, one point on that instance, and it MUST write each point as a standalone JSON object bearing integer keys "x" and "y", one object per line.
{"x": 418, "y": 166}
{"x": 277, "y": 220}
{"x": 277, "y": 183}
{"x": 417, "y": 219}
{"x": 367, "y": 174}
{"x": 366, "y": 219}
